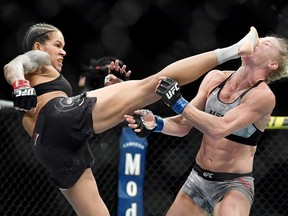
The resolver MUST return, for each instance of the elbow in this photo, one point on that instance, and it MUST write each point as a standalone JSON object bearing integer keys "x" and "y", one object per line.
{"x": 6, "y": 71}
{"x": 185, "y": 131}
{"x": 216, "y": 134}
{"x": 182, "y": 134}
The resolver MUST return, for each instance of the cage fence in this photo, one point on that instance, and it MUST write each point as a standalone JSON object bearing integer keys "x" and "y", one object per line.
{"x": 26, "y": 190}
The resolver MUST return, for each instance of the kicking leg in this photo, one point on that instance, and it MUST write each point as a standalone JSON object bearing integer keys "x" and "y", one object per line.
{"x": 123, "y": 98}
{"x": 244, "y": 47}
{"x": 189, "y": 69}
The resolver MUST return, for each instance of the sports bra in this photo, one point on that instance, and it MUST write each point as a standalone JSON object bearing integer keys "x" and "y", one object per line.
{"x": 249, "y": 135}
{"x": 58, "y": 84}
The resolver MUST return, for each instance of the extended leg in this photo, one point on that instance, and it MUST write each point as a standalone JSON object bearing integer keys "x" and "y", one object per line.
{"x": 243, "y": 47}
{"x": 189, "y": 69}
{"x": 116, "y": 100}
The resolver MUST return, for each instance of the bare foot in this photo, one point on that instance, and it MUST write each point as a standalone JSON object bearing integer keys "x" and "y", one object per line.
{"x": 249, "y": 42}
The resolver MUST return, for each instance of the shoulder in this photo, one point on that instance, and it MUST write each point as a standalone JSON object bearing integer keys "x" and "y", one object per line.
{"x": 266, "y": 91}
{"x": 262, "y": 96}
{"x": 212, "y": 79}
{"x": 34, "y": 61}
{"x": 215, "y": 77}
{"x": 37, "y": 55}
{"x": 32, "y": 57}
{"x": 218, "y": 74}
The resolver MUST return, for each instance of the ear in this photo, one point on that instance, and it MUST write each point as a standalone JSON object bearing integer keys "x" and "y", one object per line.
{"x": 37, "y": 46}
{"x": 273, "y": 65}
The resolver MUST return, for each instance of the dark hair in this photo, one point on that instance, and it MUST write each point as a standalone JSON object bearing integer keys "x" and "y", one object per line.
{"x": 39, "y": 32}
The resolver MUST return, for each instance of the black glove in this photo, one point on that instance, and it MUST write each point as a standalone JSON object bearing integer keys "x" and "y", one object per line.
{"x": 24, "y": 96}
{"x": 121, "y": 76}
{"x": 169, "y": 90}
{"x": 145, "y": 129}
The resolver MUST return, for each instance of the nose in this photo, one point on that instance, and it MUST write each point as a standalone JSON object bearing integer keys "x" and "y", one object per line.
{"x": 63, "y": 52}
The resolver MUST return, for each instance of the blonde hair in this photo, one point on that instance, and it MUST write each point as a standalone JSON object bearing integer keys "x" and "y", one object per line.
{"x": 282, "y": 71}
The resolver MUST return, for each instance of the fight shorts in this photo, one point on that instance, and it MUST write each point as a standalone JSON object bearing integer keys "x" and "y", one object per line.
{"x": 60, "y": 138}
{"x": 207, "y": 188}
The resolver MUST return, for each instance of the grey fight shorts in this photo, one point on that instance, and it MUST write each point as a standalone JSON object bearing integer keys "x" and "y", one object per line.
{"x": 207, "y": 188}
{"x": 61, "y": 138}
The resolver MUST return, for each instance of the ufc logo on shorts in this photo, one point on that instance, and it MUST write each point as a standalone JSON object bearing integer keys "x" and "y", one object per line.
{"x": 171, "y": 92}
{"x": 24, "y": 92}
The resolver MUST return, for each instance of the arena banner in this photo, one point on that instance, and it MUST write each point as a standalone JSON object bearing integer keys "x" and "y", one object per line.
{"x": 131, "y": 173}
{"x": 278, "y": 122}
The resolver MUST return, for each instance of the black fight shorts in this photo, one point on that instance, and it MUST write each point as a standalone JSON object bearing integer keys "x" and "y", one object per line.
{"x": 60, "y": 138}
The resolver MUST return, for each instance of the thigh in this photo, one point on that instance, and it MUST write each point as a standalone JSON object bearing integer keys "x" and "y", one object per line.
{"x": 184, "y": 205}
{"x": 123, "y": 98}
{"x": 84, "y": 196}
{"x": 234, "y": 203}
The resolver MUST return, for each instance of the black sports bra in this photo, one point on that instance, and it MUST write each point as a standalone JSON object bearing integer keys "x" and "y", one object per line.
{"x": 58, "y": 84}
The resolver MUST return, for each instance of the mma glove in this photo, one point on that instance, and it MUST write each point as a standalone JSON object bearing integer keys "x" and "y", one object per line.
{"x": 120, "y": 76}
{"x": 145, "y": 129}
{"x": 24, "y": 96}
{"x": 169, "y": 90}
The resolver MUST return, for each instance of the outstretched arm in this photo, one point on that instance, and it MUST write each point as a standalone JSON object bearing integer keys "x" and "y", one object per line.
{"x": 144, "y": 122}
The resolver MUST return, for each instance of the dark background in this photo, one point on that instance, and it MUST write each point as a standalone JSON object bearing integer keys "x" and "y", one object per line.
{"x": 146, "y": 35}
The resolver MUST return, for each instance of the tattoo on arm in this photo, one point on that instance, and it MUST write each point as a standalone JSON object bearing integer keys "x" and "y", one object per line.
{"x": 36, "y": 60}
{"x": 27, "y": 63}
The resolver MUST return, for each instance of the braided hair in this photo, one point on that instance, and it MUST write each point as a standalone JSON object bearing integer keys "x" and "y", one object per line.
{"x": 39, "y": 32}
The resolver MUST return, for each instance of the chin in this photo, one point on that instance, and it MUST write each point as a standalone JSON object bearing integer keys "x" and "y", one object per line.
{"x": 59, "y": 69}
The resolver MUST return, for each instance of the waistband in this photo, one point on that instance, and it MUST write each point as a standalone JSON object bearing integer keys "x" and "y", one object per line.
{"x": 218, "y": 176}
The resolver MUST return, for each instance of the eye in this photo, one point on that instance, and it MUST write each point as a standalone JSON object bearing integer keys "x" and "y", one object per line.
{"x": 59, "y": 45}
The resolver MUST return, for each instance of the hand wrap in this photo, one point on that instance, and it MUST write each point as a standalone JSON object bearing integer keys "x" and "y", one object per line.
{"x": 24, "y": 96}
{"x": 169, "y": 90}
{"x": 145, "y": 129}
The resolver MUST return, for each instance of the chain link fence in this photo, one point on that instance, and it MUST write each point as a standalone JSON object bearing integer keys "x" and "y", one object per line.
{"x": 25, "y": 190}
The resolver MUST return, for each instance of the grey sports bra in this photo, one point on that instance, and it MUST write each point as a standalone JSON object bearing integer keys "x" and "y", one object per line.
{"x": 249, "y": 135}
